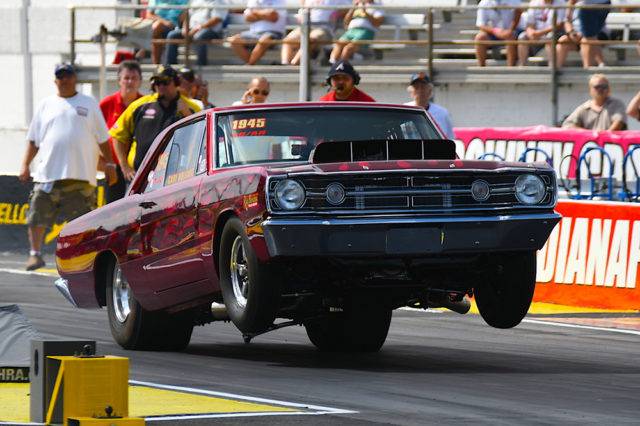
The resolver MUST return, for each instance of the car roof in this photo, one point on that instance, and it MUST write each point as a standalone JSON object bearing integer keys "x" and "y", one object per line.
{"x": 304, "y": 105}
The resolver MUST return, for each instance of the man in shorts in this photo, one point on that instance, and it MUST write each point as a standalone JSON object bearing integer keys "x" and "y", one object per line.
{"x": 362, "y": 23}
{"x": 267, "y": 22}
{"x": 323, "y": 24}
{"x": 497, "y": 24}
{"x": 539, "y": 20}
{"x": 69, "y": 132}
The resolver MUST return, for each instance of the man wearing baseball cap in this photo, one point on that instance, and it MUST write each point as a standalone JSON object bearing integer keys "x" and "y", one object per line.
{"x": 421, "y": 90}
{"x": 68, "y": 133}
{"x": 343, "y": 79}
{"x": 146, "y": 117}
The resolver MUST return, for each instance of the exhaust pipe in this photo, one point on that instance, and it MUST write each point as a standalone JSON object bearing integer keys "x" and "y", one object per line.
{"x": 219, "y": 312}
{"x": 461, "y": 306}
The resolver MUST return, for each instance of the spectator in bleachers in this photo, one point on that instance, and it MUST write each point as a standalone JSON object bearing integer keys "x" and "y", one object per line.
{"x": 257, "y": 92}
{"x": 204, "y": 24}
{"x": 68, "y": 133}
{"x": 362, "y": 23}
{"x": 343, "y": 79}
{"x": 267, "y": 22}
{"x": 421, "y": 90}
{"x": 144, "y": 119}
{"x": 602, "y": 112}
{"x": 112, "y": 106}
{"x": 576, "y": 39}
{"x": 633, "y": 109}
{"x": 497, "y": 24}
{"x": 539, "y": 26}
{"x": 164, "y": 20}
{"x": 323, "y": 25}
{"x": 187, "y": 85}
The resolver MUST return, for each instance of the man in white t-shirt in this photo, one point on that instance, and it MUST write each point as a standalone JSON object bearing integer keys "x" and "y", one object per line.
{"x": 267, "y": 22}
{"x": 69, "y": 133}
{"x": 421, "y": 90}
{"x": 323, "y": 25}
{"x": 539, "y": 25}
{"x": 497, "y": 24}
{"x": 362, "y": 23}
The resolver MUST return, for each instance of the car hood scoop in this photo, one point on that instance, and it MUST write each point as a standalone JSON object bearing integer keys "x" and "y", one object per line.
{"x": 383, "y": 150}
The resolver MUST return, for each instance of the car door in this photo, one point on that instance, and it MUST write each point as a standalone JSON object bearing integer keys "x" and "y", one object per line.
{"x": 168, "y": 219}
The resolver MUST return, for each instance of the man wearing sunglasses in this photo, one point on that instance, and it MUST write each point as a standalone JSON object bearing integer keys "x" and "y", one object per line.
{"x": 146, "y": 117}
{"x": 257, "y": 92}
{"x": 602, "y": 112}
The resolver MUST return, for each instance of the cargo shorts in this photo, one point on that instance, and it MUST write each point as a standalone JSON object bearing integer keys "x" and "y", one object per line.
{"x": 62, "y": 200}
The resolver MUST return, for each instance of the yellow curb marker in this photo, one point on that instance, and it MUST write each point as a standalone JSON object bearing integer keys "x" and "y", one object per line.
{"x": 143, "y": 402}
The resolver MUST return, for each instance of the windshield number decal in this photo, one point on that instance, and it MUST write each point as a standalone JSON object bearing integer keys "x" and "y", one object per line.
{"x": 253, "y": 123}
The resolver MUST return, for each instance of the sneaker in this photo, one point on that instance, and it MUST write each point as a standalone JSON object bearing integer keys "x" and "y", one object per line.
{"x": 35, "y": 262}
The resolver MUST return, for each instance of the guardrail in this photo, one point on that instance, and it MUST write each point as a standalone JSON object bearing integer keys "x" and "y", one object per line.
{"x": 429, "y": 42}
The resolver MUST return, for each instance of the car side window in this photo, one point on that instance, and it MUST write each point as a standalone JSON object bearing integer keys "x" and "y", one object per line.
{"x": 185, "y": 152}
{"x": 155, "y": 178}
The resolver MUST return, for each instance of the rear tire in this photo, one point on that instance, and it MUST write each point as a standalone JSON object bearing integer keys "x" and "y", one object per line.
{"x": 135, "y": 328}
{"x": 250, "y": 289}
{"x": 361, "y": 328}
{"x": 504, "y": 298}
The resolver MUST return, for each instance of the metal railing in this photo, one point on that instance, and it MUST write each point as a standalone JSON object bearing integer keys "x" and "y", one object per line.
{"x": 429, "y": 42}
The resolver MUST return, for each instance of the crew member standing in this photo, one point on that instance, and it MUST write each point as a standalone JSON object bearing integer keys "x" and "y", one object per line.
{"x": 147, "y": 116}
{"x": 343, "y": 79}
{"x": 112, "y": 106}
{"x": 69, "y": 133}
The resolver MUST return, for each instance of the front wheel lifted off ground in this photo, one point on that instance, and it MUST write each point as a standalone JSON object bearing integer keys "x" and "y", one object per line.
{"x": 504, "y": 297}
{"x": 133, "y": 327}
{"x": 250, "y": 289}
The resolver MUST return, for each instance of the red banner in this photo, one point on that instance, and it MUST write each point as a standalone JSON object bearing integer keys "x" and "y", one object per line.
{"x": 510, "y": 143}
{"x": 591, "y": 258}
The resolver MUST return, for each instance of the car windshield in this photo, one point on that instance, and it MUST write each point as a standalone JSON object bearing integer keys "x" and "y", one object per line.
{"x": 290, "y": 135}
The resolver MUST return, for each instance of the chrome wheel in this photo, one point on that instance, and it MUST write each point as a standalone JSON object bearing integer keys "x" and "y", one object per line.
{"x": 121, "y": 295}
{"x": 239, "y": 272}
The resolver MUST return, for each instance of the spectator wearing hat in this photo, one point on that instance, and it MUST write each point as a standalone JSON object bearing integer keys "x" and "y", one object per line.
{"x": 343, "y": 79}
{"x": 421, "y": 90}
{"x": 362, "y": 23}
{"x": 187, "y": 85}
{"x": 257, "y": 92}
{"x": 267, "y": 22}
{"x": 164, "y": 20}
{"x": 601, "y": 112}
{"x": 69, "y": 134}
{"x": 145, "y": 118}
{"x": 205, "y": 23}
{"x": 497, "y": 24}
{"x": 112, "y": 106}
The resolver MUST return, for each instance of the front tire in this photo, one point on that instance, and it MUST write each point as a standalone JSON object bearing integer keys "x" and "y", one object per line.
{"x": 250, "y": 289}
{"x": 360, "y": 328}
{"x": 505, "y": 297}
{"x": 133, "y": 327}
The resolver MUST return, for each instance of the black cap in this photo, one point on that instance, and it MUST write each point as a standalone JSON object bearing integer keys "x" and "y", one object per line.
{"x": 187, "y": 74}
{"x": 420, "y": 76}
{"x": 165, "y": 72}
{"x": 64, "y": 68}
{"x": 343, "y": 67}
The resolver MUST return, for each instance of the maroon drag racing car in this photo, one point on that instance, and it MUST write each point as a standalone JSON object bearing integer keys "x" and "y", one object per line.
{"x": 329, "y": 215}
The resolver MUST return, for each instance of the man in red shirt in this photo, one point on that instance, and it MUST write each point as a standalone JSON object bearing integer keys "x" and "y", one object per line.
{"x": 343, "y": 79}
{"x": 112, "y": 106}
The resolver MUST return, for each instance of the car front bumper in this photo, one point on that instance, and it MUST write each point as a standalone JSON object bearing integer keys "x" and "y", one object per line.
{"x": 407, "y": 236}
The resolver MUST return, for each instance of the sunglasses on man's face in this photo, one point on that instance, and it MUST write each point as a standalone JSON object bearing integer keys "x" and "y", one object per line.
{"x": 162, "y": 82}
{"x": 601, "y": 86}
{"x": 260, "y": 92}
{"x": 63, "y": 74}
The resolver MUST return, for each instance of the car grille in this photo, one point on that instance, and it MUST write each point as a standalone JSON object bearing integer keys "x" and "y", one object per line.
{"x": 415, "y": 192}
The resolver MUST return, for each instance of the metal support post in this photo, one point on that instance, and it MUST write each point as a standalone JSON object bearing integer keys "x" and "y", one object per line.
{"x": 554, "y": 70}
{"x": 102, "y": 78}
{"x": 305, "y": 66}
{"x": 72, "y": 40}
{"x": 187, "y": 39}
{"x": 430, "y": 44}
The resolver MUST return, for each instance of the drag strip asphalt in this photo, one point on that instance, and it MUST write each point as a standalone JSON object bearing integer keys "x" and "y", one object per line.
{"x": 435, "y": 368}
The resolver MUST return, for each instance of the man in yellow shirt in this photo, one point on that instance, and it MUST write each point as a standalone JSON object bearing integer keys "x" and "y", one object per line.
{"x": 147, "y": 117}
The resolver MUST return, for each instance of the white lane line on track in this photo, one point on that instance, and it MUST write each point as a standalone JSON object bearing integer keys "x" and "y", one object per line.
{"x": 585, "y": 327}
{"x": 21, "y": 272}
{"x": 318, "y": 409}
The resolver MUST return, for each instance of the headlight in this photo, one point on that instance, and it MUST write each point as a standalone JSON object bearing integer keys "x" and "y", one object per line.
{"x": 529, "y": 189}
{"x": 289, "y": 194}
{"x": 480, "y": 190}
{"x": 335, "y": 194}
